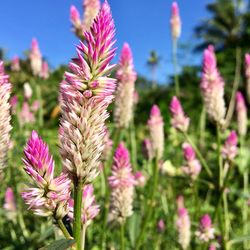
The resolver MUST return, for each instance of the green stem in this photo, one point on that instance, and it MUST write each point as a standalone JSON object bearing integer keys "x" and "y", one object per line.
{"x": 149, "y": 208}
{"x": 83, "y": 237}
{"x": 77, "y": 213}
{"x": 22, "y": 225}
{"x": 227, "y": 221}
{"x": 176, "y": 78}
{"x": 219, "y": 155}
{"x": 122, "y": 234}
{"x": 64, "y": 229}
{"x": 40, "y": 111}
{"x": 197, "y": 151}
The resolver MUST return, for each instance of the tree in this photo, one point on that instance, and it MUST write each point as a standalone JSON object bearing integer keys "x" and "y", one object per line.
{"x": 153, "y": 62}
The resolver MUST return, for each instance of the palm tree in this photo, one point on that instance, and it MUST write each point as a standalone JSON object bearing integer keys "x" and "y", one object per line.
{"x": 153, "y": 62}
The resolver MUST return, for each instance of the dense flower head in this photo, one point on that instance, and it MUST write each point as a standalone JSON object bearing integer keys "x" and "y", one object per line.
{"x": 241, "y": 110}
{"x": 85, "y": 95}
{"x": 192, "y": 167}
{"x": 124, "y": 101}
{"x": 206, "y": 230}
{"x": 175, "y": 21}
{"x": 122, "y": 185}
{"x": 15, "y": 64}
{"x": 179, "y": 119}
{"x": 229, "y": 150}
{"x": 44, "y": 74}
{"x": 91, "y": 9}
{"x": 183, "y": 227}
{"x": 48, "y": 195}
{"x": 5, "y": 127}
{"x": 212, "y": 87}
{"x": 10, "y": 204}
{"x": 89, "y": 207}
{"x": 156, "y": 129}
{"x": 35, "y": 58}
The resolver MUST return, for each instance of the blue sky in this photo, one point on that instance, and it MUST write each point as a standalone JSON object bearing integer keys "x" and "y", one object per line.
{"x": 144, "y": 24}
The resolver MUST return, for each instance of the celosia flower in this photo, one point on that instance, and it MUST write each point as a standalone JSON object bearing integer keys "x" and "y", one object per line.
{"x": 35, "y": 58}
{"x": 48, "y": 195}
{"x": 147, "y": 149}
{"x": 122, "y": 184}
{"x": 192, "y": 167}
{"x": 124, "y": 101}
{"x": 15, "y": 64}
{"x": 13, "y": 103}
{"x": 27, "y": 91}
{"x": 178, "y": 120}
{"x": 183, "y": 227}
{"x": 140, "y": 179}
{"x": 44, "y": 74}
{"x": 212, "y": 87}
{"x": 26, "y": 116}
{"x": 35, "y": 106}
{"x": 10, "y": 204}
{"x": 89, "y": 208}
{"x": 206, "y": 230}
{"x": 86, "y": 94}
{"x": 5, "y": 127}
{"x": 161, "y": 225}
{"x": 91, "y": 9}
{"x": 75, "y": 20}
{"x": 247, "y": 74}
{"x": 156, "y": 130}
{"x": 241, "y": 114}
{"x": 229, "y": 150}
{"x": 175, "y": 21}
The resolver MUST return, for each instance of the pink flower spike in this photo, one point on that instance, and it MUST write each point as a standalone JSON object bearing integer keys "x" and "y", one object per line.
{"x": 179, "y": 121}
{"x": 44, "y": 74}
{"x": 15, "y": 64}
{"x": 241, "y": 110}
{"x": 161, "y": 225}
{"x": 156, "y": 129}
{"x": 175, "y": 21}
{"x": 229, "y": 150}
{"x": 140, "y": 179}
{"x": 10, "y": 204}
{"x": 212, "y": 87}
{"x": 75, "y": 16}
{"x": 35, "y": 58}
{"x": 206, "y": 230}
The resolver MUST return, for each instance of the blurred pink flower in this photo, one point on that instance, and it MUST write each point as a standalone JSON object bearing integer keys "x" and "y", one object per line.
{"x": 35, "y": 58}
{"x": 10, "y": 204}
{"x": 5, "y": 127}
{"x": 13, "y": 104}
{"x": 27, "y": 91}
{"x": 175, "y": 21}
{"x": 48, "y": 195}
{"x": 15, "y": 64}
{"x": 122, "y": 185}
{"x": 212, "y": 87}
{"x": 147, "y": 149}
{"x": 178, "y": 117}
{"x": 229, "y": 150}
{"x": 241, "y": 110}
{"x": 85, "y": 96}
{"x": 156, "y": 129}
{"x": 206, "y": 230}
{"x": 44, "y": 74}
{"x": 35, "y": 106}
{"x": 26, "y": 116}
{"x": 126, "y": 76}
{"x": 161, "y": 225}
{"x": 140, "y": 179}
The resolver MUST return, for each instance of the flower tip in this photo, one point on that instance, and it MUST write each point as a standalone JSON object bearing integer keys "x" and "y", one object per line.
{"x": 175, "y": 8}
{"x": 206, "y": 221}
{"x": 155, "y": 111}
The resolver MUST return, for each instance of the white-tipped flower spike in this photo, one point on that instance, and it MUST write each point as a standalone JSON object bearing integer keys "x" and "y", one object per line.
{"x": 91, "y": 9}
{"x": 183, "y": 227}
{"x": 5, "y": 127}
{"x": 10, "y": 204}
{"x": 89, "y": 207}
{"x": 241, "y": 112}
{"x": 122, "y": 184}
{"x": 229, "y": 150}
{"x": 178, "y": 118}
{"x": 156, "y": 129}
{"x": 192, "y": 167}
{"x": 212, "y": 87}
{"x": 86, "y": 94}
{"x": 44, "y": 71}
{"x": 247, "y": 74}
{"x": 15, "y": 64}
{"x": 48, "y": 195}
{"x": 126, "y": 75}
{"x": 27, "y": 91}
{"x": 206, "y": 230}
{"x": 35, "y": 58}
{"x": 175, "y": 21}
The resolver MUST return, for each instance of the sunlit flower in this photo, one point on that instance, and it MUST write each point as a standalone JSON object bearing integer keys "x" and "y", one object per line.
{"x": 212, "y": 87}
{"x": 124, "y": 100}
{"x": 156, "y": 130}
{"x": 86, "y": 93}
